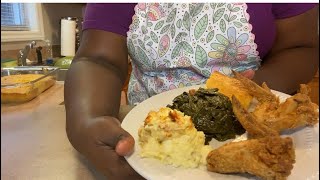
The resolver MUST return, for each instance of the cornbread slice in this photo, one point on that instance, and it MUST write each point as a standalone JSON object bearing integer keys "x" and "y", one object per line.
{"x": 230, "y": 86}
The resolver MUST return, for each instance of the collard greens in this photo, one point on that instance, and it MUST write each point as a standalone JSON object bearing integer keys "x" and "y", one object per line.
{"x": 211, "y": 112}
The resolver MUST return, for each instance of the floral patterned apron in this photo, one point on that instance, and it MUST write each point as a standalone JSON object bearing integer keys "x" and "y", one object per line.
{"x": 175, "y": 45}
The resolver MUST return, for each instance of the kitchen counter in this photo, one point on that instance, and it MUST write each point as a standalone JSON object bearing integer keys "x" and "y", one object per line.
{"x": 34, "y": 144}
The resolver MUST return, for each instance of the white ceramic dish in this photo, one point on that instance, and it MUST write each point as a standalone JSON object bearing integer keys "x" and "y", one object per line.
{"x": 306, "y": 141}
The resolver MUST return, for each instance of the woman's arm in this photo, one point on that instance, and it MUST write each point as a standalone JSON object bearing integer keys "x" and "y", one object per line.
{"x": 96, "y": 76}
{"x": 294, "y": 58}
{"x": 92, "y": 96}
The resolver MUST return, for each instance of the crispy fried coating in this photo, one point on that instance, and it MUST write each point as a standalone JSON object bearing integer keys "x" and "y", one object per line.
{"x": 249, "y": 121}
{"x": 297, "y": 111}
{"x": 270, "y": 158}
{"x": 263, "y": 93}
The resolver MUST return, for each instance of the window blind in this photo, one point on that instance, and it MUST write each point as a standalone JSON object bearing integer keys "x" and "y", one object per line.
{"x": 14, "y": 17}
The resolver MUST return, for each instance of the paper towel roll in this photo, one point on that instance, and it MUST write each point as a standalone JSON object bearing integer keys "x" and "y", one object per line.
{"x": 68, "y": 37}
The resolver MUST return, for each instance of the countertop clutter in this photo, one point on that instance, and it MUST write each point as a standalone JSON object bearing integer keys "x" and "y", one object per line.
{"x": 34, "y": 144}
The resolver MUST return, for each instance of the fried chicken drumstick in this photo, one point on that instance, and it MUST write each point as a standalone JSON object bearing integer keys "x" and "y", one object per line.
{"x": 270, "y": 158}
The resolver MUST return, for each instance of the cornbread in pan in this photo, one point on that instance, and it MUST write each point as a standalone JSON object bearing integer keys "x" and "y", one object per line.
{"x": 24, "y": 92}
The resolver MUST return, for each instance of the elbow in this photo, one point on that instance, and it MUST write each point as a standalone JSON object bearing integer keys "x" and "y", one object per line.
{"x": 119, "y": 67}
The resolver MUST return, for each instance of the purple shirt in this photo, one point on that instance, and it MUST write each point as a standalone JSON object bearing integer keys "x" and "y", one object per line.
{"x": 116, "y": 18}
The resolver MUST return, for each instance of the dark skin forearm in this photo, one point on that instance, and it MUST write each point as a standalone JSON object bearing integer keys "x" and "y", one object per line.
{"x": 95, "y": 78}
{"x": 87, "y": 95}
{"x": 286, "y": 70}
{"x": 294, "y": 57}
{"x": 92, "y": 99}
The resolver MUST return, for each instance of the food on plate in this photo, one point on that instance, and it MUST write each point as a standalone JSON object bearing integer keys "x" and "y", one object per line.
{"x": 254, "y": 128}
{"x": 265, "y": 154}
{"x": 170, "y": 136}
{"x": 23, "y": 92}
{"x": 211, "y": 112}
{"x": 229, "y": 106}
{"x": 270, "y": 158}
{"x": 261, "y": 93}
{"x": 269, "y": 116}
{"x": 229, "y": 86}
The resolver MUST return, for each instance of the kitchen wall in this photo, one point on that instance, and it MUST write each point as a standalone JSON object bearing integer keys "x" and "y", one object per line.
{"x": 52, "y": 13}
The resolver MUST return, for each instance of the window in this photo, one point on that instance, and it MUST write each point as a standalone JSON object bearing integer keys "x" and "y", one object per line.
{"x": 21, "y": 22}
{"x": 13, "y": 17}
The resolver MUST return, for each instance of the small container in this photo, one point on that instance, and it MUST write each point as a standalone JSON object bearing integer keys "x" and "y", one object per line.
{"x": 28, "y": 89}
{"x": 49, "y": 62}
{"x": 39, "y": 55}
{"x": 49, "y": 55}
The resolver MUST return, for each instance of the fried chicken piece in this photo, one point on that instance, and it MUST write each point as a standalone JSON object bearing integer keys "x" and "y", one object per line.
{"x": 254, "y": 128}
{"x": 304, "y": 89}
{"x": 270, "y": 158}
{"x": 296, "y": 111}
{"x": 262, "y": 93}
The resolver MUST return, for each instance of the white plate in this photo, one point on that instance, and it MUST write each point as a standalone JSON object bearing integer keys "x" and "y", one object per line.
{"x": 306, "y": 141}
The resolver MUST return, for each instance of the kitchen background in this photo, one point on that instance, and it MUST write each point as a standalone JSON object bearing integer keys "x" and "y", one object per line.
{"x": 51, "y": 15}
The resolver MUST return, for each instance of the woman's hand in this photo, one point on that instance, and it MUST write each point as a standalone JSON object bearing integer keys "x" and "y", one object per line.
{"x": 104, "y": 143}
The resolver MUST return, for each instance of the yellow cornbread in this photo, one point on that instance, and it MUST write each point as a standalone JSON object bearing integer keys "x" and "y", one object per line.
{"x": 171, "y": 137}
{"x": 24, "y": 92}
{"x": 230, "y": 86}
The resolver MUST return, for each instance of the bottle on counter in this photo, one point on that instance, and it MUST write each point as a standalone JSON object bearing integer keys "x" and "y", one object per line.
{"x": 39, "y": 55}
{"x": 49, "y": 59}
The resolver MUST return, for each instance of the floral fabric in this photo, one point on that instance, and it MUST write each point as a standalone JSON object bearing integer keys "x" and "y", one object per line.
{"x": 176, "y": 45}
